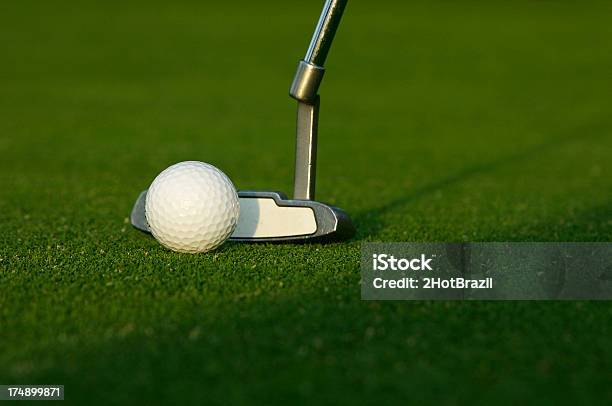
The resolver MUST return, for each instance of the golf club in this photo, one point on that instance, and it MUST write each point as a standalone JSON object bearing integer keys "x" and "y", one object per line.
{"x": 270, "y": 216}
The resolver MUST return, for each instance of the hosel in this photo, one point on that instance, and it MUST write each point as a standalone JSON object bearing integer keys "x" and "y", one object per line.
{"x": 306, "y": 82}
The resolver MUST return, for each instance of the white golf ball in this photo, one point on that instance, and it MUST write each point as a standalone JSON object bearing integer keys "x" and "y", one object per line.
{"x": 192, "y": 207}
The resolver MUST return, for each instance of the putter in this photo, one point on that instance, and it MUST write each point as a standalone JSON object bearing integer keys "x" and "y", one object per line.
{"x": 271, "y": 216}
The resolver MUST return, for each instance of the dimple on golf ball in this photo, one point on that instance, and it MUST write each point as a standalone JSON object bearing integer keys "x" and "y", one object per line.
{"x": 192, "y": 207}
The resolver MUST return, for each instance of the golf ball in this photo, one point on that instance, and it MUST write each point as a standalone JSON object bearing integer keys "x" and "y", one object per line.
{"x": 192, "y": 207}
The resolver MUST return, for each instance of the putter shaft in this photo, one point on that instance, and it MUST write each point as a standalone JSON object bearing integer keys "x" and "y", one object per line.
{"x": 325, "y": 32}
{"x": 304, "y": 89}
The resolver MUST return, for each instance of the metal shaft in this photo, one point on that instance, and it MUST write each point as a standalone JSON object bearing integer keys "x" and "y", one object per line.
{"x": 325, "y": 32}
{"x": 305, "y": 89}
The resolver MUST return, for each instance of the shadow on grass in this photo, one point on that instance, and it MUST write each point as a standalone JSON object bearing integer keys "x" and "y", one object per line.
{"x": 370, "y": 223}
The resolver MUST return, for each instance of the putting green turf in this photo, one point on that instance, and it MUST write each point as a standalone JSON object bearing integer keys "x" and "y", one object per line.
{"x": 440, "y": 122}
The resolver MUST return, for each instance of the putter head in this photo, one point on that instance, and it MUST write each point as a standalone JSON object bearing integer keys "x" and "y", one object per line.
{"x": 271, "y": 217}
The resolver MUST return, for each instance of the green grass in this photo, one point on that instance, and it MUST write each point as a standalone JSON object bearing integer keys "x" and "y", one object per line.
{"x": 441, "y": 121}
